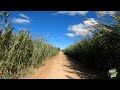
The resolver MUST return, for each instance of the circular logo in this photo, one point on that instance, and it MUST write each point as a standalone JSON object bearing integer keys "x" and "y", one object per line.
{"x": 113, "y": 73}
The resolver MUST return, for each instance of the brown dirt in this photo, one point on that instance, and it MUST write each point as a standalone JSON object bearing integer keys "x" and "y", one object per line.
{"x": 62, "y": 67}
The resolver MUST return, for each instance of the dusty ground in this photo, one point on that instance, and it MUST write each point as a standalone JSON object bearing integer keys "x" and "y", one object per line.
{"x": 61, "y": 67}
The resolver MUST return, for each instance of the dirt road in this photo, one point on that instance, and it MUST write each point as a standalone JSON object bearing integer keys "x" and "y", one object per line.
{"x": 61, "y": 67}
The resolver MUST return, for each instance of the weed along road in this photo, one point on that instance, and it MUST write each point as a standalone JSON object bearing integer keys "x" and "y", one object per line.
{"x": 58, "y": 45}
{"x": 62, "y": 67}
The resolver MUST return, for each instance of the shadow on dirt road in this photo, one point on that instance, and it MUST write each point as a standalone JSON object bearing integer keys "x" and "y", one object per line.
{"x": 81, "y": 70}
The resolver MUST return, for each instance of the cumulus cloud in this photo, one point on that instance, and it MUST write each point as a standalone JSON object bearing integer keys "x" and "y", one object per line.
{"x": 70, "y": 34}
{"x": 103, "y": 13}
{"x": 90, "y": 22}
{"x": 82, "y": 28}
{"x": 20, "y": 20}
{"x": 73, "y": 13}
{"x": 24, "y": 16}
{"x": 79, "y": 29}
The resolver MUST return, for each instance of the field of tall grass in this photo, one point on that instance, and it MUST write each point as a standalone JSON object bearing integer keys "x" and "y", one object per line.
{"x": 102, "y": 50}
{"x": 18, "y": 52}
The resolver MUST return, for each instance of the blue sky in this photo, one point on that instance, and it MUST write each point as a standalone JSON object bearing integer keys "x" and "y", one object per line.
{"x": 60, "y": 28}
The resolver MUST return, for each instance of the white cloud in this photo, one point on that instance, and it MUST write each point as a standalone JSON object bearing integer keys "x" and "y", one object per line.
{"x": 20, "y": 20}
{"x": 111, "y": 12}
{"x": 90, "y": 22}
{"x": 24, "y": 16}
{"x": 70, "y": 34}
{"x": 103, "y": 13}
{"x": 83, "y": 28}
{"x": 24, "y": 19}
{"x": 73, "y": 13}
{"x": 79, "y": 29}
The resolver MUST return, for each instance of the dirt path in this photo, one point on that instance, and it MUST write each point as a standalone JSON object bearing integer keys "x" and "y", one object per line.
{"x": 61, "y": 67}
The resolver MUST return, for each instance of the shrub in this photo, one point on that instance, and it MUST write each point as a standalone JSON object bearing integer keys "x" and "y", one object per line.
{"x": 20, "y": 51}
{"x": 102, "y": 50}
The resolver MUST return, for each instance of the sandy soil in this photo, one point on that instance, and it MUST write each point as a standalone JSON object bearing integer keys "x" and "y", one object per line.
{"x": 62, "y": 67}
